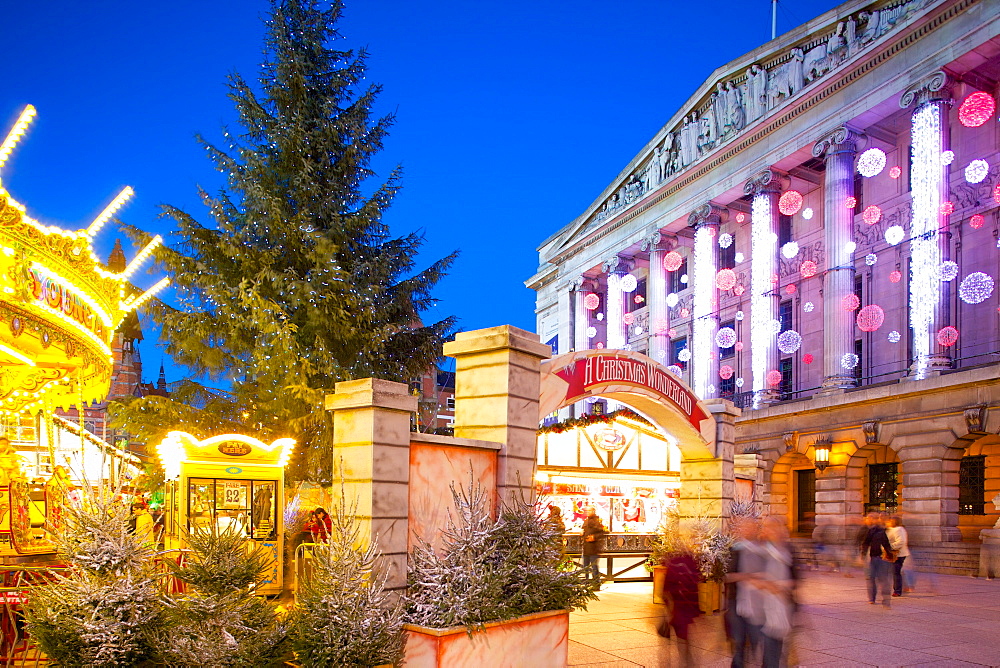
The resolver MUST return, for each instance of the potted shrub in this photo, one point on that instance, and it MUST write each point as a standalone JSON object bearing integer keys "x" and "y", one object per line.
{"x": 662, "y": 544}
{"x": 493, "y": 593}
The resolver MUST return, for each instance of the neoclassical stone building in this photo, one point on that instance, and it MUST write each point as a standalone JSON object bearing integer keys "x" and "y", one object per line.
{"x": 814, "y": 237}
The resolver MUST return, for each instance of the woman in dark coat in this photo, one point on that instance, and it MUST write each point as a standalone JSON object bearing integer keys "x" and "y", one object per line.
{"x": 681, "y": 589}
{"x": 593, "y": 543}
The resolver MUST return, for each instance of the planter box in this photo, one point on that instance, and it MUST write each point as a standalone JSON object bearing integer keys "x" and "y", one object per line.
{"x": 709, "y": 596}
{"x": 539, "y": 639}
{"x": 659, "y": 580}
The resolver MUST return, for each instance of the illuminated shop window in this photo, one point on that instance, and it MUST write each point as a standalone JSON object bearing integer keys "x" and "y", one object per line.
{"x": 972, "y": 485}
{"x": 883, "y": 487}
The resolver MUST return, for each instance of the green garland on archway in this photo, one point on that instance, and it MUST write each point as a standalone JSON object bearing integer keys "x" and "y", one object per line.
{"x": 589, "y": 419}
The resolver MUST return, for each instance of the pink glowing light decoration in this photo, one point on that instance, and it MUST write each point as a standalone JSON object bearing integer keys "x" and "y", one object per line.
{"x": 628, "y": 318}
{"x": 740, "y": 217}
{"x": 807, "y": 358}
{"x": 711, "y": 230}
{"x": 591, "y": 301}
{"x": 996, "y": 194}
{"x": 977, "y": 221}
{"x": 773, "y": 378}
{"x": 976, "y": 109}
{"x": 726, "y": 372}
{"x": 739, "y": 290}
{"x": 790, "y": 289}
{"x": 685, "y": 312}
{"x": 774, "y": 279}
{"x": 638, "y": 299}
{"x": 672, "y": 261}
{"x": 808, "y": 269}
{"x": 725, "y": 279}
{"x": 895, "y": 172}
{"x": 947, "y": 208}
{"x": 870, "y": 318}
{"x": 947, "y": 336}
{"x": 661, "y": 326}
{"x": 851, "y": 202}
{"x": 600, "y": 346}
{"x": 872, "y": 214}
{"x": 738, "y": 346}
{"x": 790, "y": 202}
{"x": 671, "y": 333}
{"x": 850, "y": 302}
{"x": 895, "y": 276}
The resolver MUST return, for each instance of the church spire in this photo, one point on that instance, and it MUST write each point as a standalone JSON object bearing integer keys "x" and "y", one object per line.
{"x": 116, "y": 262}
{"x": 161, "y": 383}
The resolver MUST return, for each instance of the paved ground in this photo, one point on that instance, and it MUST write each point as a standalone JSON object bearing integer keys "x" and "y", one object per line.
{"x": 954, "y": 623}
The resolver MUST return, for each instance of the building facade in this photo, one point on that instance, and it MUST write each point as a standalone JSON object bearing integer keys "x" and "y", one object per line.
{"x": 814, "y": 237}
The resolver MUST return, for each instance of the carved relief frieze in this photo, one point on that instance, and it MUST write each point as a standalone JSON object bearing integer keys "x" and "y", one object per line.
{"x": 967, "y": 195}
{"x": 684, "y": 305}
{"x": 812, "y": 252}
{"x": 868, "y": 235}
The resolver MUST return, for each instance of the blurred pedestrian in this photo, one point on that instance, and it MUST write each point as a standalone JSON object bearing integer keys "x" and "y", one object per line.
{"x": 900, "y": 546}
{"x": 744, "y": 611}
{"x": 879, "y": 551}
{"x": 320, "y": 525}
{"x": 593, "y": 543}
{"x": 777, "y": 588}
{"x": 681, "y": 593}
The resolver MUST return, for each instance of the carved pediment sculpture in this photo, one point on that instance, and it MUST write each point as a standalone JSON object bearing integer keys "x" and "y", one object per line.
{"x": 871, "y": 429}
{"x": 975, "y": 419}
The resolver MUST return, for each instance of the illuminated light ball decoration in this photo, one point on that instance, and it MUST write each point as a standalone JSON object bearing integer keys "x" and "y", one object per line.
{"x": 977, "y": 221}
{"x": 638, "y": 331}
{"x": 738, "y": 346}
{"x": 672, "y": 261}
{"x": 947, "y": 208}
{"x": 807, "y": 358}
{"x": 774, "y": 279}
{"x": 685, "y": 312}
{"x": 672, "y": 299}
{"x": 870, "y": 318}
{"x": 872, "y": 214}
{"x": 674, "y": 369}
{"x": 871, "y": 259}
{"x": 895, "y": 276}
{"x": 895, "y": 172}
{"x": 789, "y": 341}
{"x": 600, "y": 346}
{"x": 711, "y": 389}
{"x": 947, "y": 336}
{"x": 871, "y": 162}
{"x": 773, "y": 378}
{"x": 790, "y": 289}
{"x": 996, "y": 194}
{"x": 808, "y": 269}
{"x": 807, "y": 213}
{"x": 638, "y": 299}
{"x": 725, "y": 279}
{"x": 790, "y": 202}
{"x": 591, "y": 332}
{"x": 661, "y": 326}
{"x": 684, "y": 279}
{"x": 629, "y": 283}
{"x": 739, "y": 382}
{"x": 850, "y": 302}
{"x": 849, "y": 361}
{"x": 600, "y": 316}
{"x": 894, "y": 234}
{"x": 850, "y": 247}
{"x": 808, "y": 307}
{"x": 739, "y": 315}
{"x": 976, "y": 109}
{"x": 591, "y": 302}
{"x": 739, "y": 257}
{"x": 775, "y": 326}
{"x": 977, "y": 171}
{"x": 662, "y": 354}
{"x": 725, "y": 337}
{"x": 628, "y": 318}
{"x": 739, "y": 290}
{"x": 684, "y": 355}
{"x": 726, "y": 372}
{"x": 947, "y": 157}
{"x": 894, "y": 336}
{"x": 975, "y": 288}
{"x": 948, "y": 271}
{"x": 790, "y": 250}
{"x": 725, "y": 240}
{"x": 740, "y": 217}
{"x": 671, "y": 332}
{"x": 851, "y": 202}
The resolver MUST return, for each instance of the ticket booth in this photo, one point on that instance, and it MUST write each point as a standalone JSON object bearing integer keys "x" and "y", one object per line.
{"x": 227, "y": 481}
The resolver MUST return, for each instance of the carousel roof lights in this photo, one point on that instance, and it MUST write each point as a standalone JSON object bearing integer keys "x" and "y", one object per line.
{"x": 78, "y": 292}
{"x": 117, "y": 203}
{"x": 134, "y": 303}
{"x": 20, "y": 357}
{"x": 142, "y": 256}
{"x": 16, "y": 132}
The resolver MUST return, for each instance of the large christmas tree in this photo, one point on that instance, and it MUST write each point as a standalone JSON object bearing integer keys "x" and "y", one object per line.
{"x": 296, "y": 283}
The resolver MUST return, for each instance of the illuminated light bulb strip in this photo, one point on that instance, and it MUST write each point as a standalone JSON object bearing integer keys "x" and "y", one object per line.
{"x": 703, "y": 325}
{"x": 102, "y": 345}
{"x": 109, "y": 210}
{"x": 762, "y": 255}
{"x": 615, "y": 308}
{"x": 142, "y": 256}
{"x": 7, "y": 350}
{"x": 135, "y": 302}
{"x": 82, "y": 294}
{"x": 16, "y": 132}
{"x": 925, "y": 255}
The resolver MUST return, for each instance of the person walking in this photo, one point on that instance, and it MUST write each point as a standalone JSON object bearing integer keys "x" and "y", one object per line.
{"x": 320, "y": 525}
{"x": 777, "y": 589}
{"x": 141, "y": 523}
{"x": 877, "y": 547}
{"x": 680, "y": 590}
{"x": 900, "y": 546}
{"x": 593, "y": 543}
{"x": 743, "y": 607}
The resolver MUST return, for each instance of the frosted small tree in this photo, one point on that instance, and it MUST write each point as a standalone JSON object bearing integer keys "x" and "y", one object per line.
{"x": 102, "y": 611}
{"x": 344, "y": 615}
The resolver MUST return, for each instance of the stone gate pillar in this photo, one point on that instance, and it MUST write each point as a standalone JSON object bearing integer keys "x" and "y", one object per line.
{"x": 707, "y": 482}
{"x": 371, "y": 432}
{"x": 930, "y": 487}
{"x": 496, "y": 398}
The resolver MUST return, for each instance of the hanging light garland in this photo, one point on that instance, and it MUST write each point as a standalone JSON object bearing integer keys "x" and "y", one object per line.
{"x": 703, "y": 304}
{"x": 762, "y": 249}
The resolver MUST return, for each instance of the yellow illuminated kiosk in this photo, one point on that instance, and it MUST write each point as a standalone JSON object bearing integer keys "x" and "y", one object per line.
{"x": 228, "y": 480}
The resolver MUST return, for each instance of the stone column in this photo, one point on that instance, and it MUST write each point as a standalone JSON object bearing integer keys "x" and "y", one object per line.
{"x": 371, "y": 434}
{"x": 658, "y": 245}
{"x": 496, "y": 399}
{"x": 764, "y": 296}
{"x": 838, "y": 149}
{"x": 930, "y": 238}
{"x": 583, "y": 286}
{"x": 614, "y": 302}
{"x": 705, "y": 312}
{"x": 707, "y": 482}
{"x": 929, "y": 476}
{"x": 831, "y": 504}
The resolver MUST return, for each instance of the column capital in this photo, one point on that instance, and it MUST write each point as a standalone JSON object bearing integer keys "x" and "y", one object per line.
{"x": 658, "y": 241}
{"x": 583, "y": 283}
{"x": 764, "y": 181}
{"x": 935, "y": 87}
{"x": 844, "y": 139}
{"x": 708, "y": 214}
{"x": 616, "y": 264}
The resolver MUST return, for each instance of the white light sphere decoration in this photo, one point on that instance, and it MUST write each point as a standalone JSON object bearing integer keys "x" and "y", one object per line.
{"x": 739, "y": 257}
{"x": 948, "y": 270}
{"x": 725, "y": 240}
{"x": 790, "y": 250}
{"x": 739, "y": 382}
{"x": 725, "y": 337}
{"x": 871, "y": 259}
{"x": 789, "y": 341}
{"x": 684, "y": 279}
{"x": 661, "y": 354}
{"x": 947, "y": 157}
{"x": 674, "y": 369}
{"x": 739, "y": 315}
{"x": 591, "y": 332}
{"x": 850, "y": 247}
{"x": 775, "y": 326}
{"x": 684, "y": 355}
{"x": 614, "y": 281}
{"x": 638, "y": 331}
{"x": 629, "y": 283}
{"x": 977, "y": 171}
{"x": 672, "y": 300}
{"x": 807, "y": 213}
{"x": 849, "y": 361}
{"x": 772, "y": 237}
{"x": 808, "y": 307}
{"x": 894, "y": 336}
{"x": 871, "y": 162}
{"x": 711, "y": 389}
{"x": 894, "y": 234}
{"x": 976, "y": 288}
{"x": 600, "y": 316}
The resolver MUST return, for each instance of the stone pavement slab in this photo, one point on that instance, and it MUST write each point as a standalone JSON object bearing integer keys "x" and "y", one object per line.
{"x": 956, "y": 623}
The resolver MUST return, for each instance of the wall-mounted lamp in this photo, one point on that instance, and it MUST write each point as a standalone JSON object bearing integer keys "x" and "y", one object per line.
{"x": 821, "y": 454}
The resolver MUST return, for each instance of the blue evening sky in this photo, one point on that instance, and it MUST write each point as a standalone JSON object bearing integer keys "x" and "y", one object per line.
{"x": 512, "y": 116}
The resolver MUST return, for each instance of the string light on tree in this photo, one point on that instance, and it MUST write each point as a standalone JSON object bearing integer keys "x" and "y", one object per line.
{"x": 789, "y": 341}
{"x": 977, "y": 171}
{"x": 947, "y": 336}
{"x": 870, "y": 318}
{"x": 871, "y": 162}
{"x": 975, "y": 288}
{"x": 976, "y": 109}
